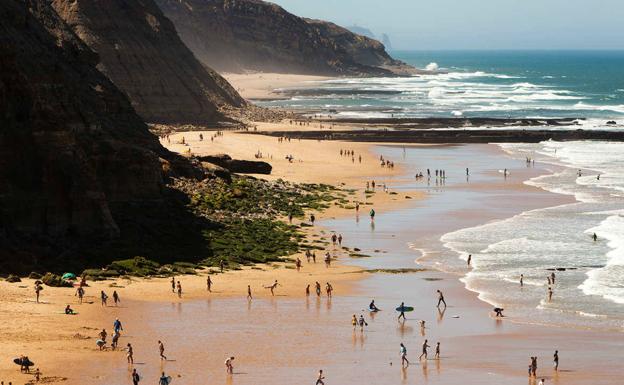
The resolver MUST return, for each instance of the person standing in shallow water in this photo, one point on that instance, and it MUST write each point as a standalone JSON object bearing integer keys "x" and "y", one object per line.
{"x": 521, "y": 280}
{"x": 556, "y": 360}
{"x": 249, "y": 297}
{"x": 173, "y": 284}
{"x": 179, "y": 290}
{"x": 209, "y": 284}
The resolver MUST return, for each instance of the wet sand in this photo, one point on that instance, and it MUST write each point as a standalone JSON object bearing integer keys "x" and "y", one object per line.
{"x": 263, "y": 86}
{"x": 286, "y": 339}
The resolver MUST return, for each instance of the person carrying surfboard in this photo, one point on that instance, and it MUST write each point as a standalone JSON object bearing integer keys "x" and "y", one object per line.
{"x": 402, "y": 311}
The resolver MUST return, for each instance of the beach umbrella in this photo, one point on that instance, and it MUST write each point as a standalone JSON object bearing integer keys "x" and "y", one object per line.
{"x": 69, "y": 276}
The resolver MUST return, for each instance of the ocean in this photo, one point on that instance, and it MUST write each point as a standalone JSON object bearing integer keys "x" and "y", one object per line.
{"x": 588, "y": 85}
{"x": 504, "y": 84}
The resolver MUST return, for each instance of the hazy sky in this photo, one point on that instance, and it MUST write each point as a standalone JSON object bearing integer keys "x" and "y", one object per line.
{"x": 478, "y": 24}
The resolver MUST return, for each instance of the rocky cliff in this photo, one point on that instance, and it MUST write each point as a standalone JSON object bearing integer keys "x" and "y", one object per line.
{"x": 240, "y": 35}
{"x": 75, "y": 158}
{"x": 142, "y": 54}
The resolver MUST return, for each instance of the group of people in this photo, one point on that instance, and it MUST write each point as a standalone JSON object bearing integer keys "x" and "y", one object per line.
{"x": 351, "y": 154}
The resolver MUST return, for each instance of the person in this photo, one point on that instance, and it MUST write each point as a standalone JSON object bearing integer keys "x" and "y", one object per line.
{"x": 209, "y": 284}
{"x": 402, "y": 311}
{"x": 372, "y": 214}
{"x": 117, "y": 326}
{"x": 318, "y": 288}
{"x": 290, "y": 217}
{"x": 556, "y": 360}
{"x": 38, "y": 289}
{"x": 552, "y": 277}
{"x": 339, "y": 239}
{"x": 521, "y": 280}
{"x": 320, "y": 378}
{"x": 357, "y": 206}
{"x": 103, "y": 334}
{"x": 327, "y": 260}
{"x": 135, "y": 377}
{"x": 469, "y": 260}
{"x": 130, "y": 355}
{"x": 534, "y": 366}
{"x": 37, "y": 375}
{"x": 69, "y": 310}
{"x": 499, "y": 311}
{"x": 362, "y": 322}
{"x": 550, "y": 293}
{"x": 441, "y": 298}
{"x": 103, "y": 297}
{"x": 228, "y": 365}
{"x": 80, "y": 293}
{"x": 373, "y": 307}
{"x": 595, "y": 237}
{"x": 272, "y": 287}
{"x": 298, "y": 264}
{"x": 115, "y": 340}
{"x": 164, "y": 380}
{"x": 308, "y": 290}
{"x": 334, "y": 238}
{"x": 179, "y": 290}
{"x": 249, "y": 292}
{"x": 437, "y": 352}
{"x": 354, "y": 322}
{"x": 541, "y": 382}
{"x": 312, "y": 218}
{"x": 329, "y": 289}
{"x": 403, "y": 351}
{"x": 173, "y": 284}
{"x": 221, "y": 265}
{"x": 161, "y": 350}
{"x": 314, "y": 257}
{"x": 116, "y": 297}
{"x": 424, "y": 350}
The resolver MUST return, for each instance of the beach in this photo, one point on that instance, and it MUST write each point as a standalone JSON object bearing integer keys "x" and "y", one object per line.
{"x": 289, "y": 337}
{"x": 266, "y": 86}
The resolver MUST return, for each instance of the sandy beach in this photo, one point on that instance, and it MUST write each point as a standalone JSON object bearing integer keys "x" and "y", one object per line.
{"x": 264, "y": 86}
{"x": 285, "y": 339}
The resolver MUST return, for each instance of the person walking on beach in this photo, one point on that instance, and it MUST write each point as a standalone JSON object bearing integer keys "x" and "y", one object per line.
{"x": 103, "y": 297}
{"x": 320, "y": 378}
{"x": 469, "y": 260}
{"x": 272, "y": 287}
{"x": 312, "y": 218}
{"x": 161, "y": 350}
{"x": 354, "y": 322}
{"x": 38, "y": 289}
{"x": 115, "y": 341}
{"x": 229, "y": 367}
{"x": 221, "y": 265}
{"x": 327, "y": 260}
{"x": 117, "y": 326}
{"x": 552, "y": 277}
{"x": 116, "y": 299}
{"x": 403, "y": 351}
{"x": 329, "y": 289}
{"x": 318, "y": 289}
{"x": 334, "y": 238}
{"x": 173, "y": 284}
{"x": 163, "y": 380}
{"x": 135, "y": 377}
{"x": 298, "y": 264}
{"x": 437, "y": 352}
{"x": 249, "y": 296}
{"x": 372, "y": 214}
{"x": 521, "y": 280}
{"x": 424, "y": 350}
{"x": 130, "y": 355}
{"x": 595, "y": 237}
{"x": 441, "y": 298}
{"x": 80, "y": 293}
{"x": 179, "y": 285}
{"x": 339, "y": 239}
{"x": 308, "y": 290}
{"x": 402, "y": 311}
{"x": 362, "y": 322}
{"x": 550, "y": 293}
{"x": 556, "y": 360}
{"x": 209, "y": 284}
{"x": 534, "y": 366}
{"x": 314, "y": 257}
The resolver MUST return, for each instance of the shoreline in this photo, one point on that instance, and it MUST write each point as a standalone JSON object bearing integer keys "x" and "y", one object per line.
{"x": 108, "y": 367}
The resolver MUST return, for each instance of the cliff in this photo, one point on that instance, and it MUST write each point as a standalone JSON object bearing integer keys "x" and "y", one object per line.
{"x": 243, "y": 35}
{"x": 141, "y": 52}
{"x": 75, "y": 158}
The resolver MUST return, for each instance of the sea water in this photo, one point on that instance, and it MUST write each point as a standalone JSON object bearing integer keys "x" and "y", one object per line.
{"x": 589, "y": 284}
{"x": 502, "y": 84}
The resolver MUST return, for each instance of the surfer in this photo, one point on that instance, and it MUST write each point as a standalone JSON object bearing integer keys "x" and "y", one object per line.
{"x": 373, "y": 307}
{"x": 135, "y": 377}
{"x": 424, "y": 350}
{"x": 116, "y": 297}
{"x": 499, "y": 311}
{"x": 161, "y": 350}
{"x": 209, "y": 284}
{"x": 402, "y": 311}
{"x": 403, "y": 352}
{"x": 441, "y": 298}
{"x": 320, "y": 378}
{"x": 249, "y": 292}
{"x": 228, "y": 365}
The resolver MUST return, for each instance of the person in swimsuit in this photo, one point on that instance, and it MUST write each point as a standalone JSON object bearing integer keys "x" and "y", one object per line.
{"x": 441, "y": 298}
{"x": 499, "y": 311}
{"x": 229, "y": 368}
{"x": 249, "y": 296}
{"x": 80, "y": 293}
{"x": 116, "y": 299}
{"x": 272, "y": 287}
{"x": 424, "y": 350}
{"x": 209, "y": 284}
{"x": 173, "y": 284}
{"x": 362, "y": 322}
{"x": 318, "y": 289}
{"x": 437, "y": 351}
{"x": 161, "y": 350}
{"x": 69, "y": 310}
{"x": 354, "y": 322}
{"x": 307, "y": 290}
{"x": 556, "y": 360}
{"x": 372, "y": 306}
{"x": 130, "y": 355}
{"x": 103, "y": 297}
{"x": 403, "y": 351}
{"x": 320, "y": 378}
{"x": 179, "y": 290}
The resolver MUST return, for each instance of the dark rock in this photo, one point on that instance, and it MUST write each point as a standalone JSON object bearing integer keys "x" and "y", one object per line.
{"x": 611, "y": 123}
{"x": 34, "y": 275}
{"x": 238, "y": 166}
{"x": 54, "y": 280}
{"x": 239, "y": 35}
{"x": 218, "y": 171}
{"x": 13, "y": 279}
{"x": 141, "y": 53}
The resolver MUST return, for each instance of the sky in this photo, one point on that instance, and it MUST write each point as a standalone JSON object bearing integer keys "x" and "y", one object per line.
{"x": 478, "y": 24}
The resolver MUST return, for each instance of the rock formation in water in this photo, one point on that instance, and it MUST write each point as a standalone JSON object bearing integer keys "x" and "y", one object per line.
{"x": 141, "y": 52}
{"x": 242, "y": 35}
{"x": 78, "y": 166}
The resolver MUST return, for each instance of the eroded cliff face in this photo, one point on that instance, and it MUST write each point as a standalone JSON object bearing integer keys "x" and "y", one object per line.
{"x": 240, "y": 35}
{"x": 73, "y": 152}
{"x": 141, "y": 53}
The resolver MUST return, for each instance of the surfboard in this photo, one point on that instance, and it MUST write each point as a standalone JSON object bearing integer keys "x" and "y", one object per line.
{"x": 405, "y": 308}
{"x": 18, "y": 361}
